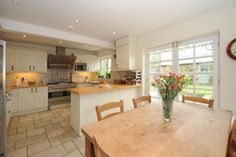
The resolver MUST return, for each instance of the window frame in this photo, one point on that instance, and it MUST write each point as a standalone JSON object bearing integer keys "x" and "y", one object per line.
{"x": 107, "y": 68}
{"x": 175, "y": 62}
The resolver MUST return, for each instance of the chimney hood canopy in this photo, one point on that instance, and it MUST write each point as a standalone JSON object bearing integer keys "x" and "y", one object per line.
{"x": 60, "y": 60}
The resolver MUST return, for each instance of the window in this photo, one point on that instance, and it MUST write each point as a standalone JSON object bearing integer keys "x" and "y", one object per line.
{"x": 196, "y": 59}
{"x": 105, "y": 65}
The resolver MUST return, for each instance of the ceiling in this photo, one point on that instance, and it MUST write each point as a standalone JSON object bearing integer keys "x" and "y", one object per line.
{"x": 98, "y": 19}
{"x": 28, "y": 38}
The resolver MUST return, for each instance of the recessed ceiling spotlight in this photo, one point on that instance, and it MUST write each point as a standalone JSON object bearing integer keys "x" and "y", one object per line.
{"x": 70, "y": 27}
{"x": 15, "y": 3}
{"x": 24, "y": 36}
{"x": 76, "y": 20}
{"x": 114, "y": 33}
{"x": 60, "y": 41}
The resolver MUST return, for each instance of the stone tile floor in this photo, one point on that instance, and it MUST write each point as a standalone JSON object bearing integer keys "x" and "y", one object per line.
{"x": 44, "y": 134}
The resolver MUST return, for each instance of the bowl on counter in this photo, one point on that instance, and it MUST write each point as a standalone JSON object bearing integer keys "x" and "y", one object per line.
{"x": 31, "y": 83}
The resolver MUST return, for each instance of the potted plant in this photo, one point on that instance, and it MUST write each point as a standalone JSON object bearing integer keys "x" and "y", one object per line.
{"x": 99, "y": 74}
{"x": 169, "y": 86}
{"x": 108, "y": 74}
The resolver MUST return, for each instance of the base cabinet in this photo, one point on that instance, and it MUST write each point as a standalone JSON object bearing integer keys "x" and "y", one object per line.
{"x": 30, "y": 100}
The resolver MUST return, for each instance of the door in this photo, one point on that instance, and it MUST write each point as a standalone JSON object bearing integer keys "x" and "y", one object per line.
{"x": 3, "y": 137}
{"x": 41, "y": 97}
{"x": 39, "y": 61}
{"x": 11, "y": 56}
{"x": 23, "y": 61}
{"x": 25, "y": 99}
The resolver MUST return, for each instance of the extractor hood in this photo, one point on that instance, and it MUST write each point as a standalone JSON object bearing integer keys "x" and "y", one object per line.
{"x": 60, "y": 60}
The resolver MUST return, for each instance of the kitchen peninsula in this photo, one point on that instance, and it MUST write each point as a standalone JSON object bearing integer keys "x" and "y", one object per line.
{"x": 84, "y": 100}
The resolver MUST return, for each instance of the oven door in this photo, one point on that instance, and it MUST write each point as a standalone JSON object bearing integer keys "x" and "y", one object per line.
{"x": 58, "y": 97}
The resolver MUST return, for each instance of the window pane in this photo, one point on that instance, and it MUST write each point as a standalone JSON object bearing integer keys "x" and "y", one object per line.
{"x": 103, "y": 63}
{"x": 109, "y": 62}
{"x": 166, "y": 67}
{"x": 204, "y": 64}
{"x": 204, "y": 48}
{"x": 186, "y": 66}
{"x": 204, "y": 93}
{"x": 166, "y": 54}
{"x": 154, "y": 67}
{"x": 204, "y": 81}
{"x": 155, "y": 57}
{"x": 153, "y": 91}
{"x": 186, "y": 51}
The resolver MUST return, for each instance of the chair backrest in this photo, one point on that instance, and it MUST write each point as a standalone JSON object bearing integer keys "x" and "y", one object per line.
{"x": 209, "y": 102}
{"x": 109, "y": 106}
{"x": 139, "y": 100}
{"x": 232, "y": 142}
{"x": 98, "y": 150}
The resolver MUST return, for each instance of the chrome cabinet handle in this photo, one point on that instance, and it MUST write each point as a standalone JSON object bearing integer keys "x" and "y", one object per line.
{"x": 12, "y": 67}
{"x": 36, "y": 90}
{"x": 32, "y": 90}
{"x": 30, "y": 67}
{"x": 33, "y": 67}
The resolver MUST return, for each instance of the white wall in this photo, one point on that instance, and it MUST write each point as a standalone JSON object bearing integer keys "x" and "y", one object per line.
{"x": 224, "y": 23}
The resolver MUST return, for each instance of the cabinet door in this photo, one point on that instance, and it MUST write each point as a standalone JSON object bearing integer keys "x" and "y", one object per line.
{"x": 10, "y": 57}
{"x": 39, "y": 61}
{"x": 23, "y": 60}
{"x": 122, "y": 57}
{"x": 41, "y": 97}
{"x": 14, "y": 99}
{"x": 25, "y": 99}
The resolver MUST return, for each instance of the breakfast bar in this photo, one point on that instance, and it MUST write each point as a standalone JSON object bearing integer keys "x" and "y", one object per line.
{"x": 84, "y": 100}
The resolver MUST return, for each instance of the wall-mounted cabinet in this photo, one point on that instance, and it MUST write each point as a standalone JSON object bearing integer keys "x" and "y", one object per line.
{"x": 21, "y": 60}
{"x": 91, "y": 61}
{"x": 125, "y": 53}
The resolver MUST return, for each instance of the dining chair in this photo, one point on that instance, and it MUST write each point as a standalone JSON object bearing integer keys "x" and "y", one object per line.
{"x": 109, "y": 106}
{"x": 232, "y": 142}
{"x": 98, "y": 150}
{"x": 139, "y": 100}
{"x": 209, "y": 102}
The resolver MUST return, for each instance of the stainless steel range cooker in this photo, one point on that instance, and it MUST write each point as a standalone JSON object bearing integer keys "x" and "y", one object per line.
{"x": 58, "y": 94}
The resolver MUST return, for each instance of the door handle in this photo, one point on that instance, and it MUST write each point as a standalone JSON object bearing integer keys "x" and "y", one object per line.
{"x": 36, "y": 90}
{"x": 30, "y": 67}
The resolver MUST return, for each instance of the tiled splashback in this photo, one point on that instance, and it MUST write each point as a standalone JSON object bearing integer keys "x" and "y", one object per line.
{"x": 38, "y": 77}
{"x": 82, "y": 76}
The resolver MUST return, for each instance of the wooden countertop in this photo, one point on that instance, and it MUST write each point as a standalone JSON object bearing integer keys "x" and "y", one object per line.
{"x": 89, "y": 90}
{"x": 195, "y": 131}
{"x": 11, "y": 87}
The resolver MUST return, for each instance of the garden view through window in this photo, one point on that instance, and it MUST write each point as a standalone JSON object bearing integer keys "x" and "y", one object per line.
{"x": 194, "y": 59}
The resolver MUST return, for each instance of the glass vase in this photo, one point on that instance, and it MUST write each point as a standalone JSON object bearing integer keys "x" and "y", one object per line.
{"x": 167, "y": 110}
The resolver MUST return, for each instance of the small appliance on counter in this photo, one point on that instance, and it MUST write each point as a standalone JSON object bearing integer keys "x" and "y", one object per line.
{"x": 80, "y": 66}
{"x": 130, "y": 77}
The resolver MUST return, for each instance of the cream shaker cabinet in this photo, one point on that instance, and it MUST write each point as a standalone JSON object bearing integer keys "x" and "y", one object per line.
{"x": 19, "y": 60}
{"x": 32, "y": 98}
{"x": 11, "y": 104}
{"x": 125, "y": 53}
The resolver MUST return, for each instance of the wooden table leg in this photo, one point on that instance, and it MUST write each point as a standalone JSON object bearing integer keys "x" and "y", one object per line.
{"x": 89, "y": 148}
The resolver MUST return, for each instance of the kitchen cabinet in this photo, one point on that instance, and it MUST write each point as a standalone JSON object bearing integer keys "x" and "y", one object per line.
{"x": 25, "y": 99}
{"x": 41, "y": 97}
{"x": 91, "y": 61}
{"x": 21, "y": 60}
{"x": 11, "y": 104}
{"x": 125, "y": 53}
{"x": 32, "y": 98}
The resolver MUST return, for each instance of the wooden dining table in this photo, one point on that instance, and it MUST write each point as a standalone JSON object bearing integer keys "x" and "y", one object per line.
{"x": 195, "y": 131}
